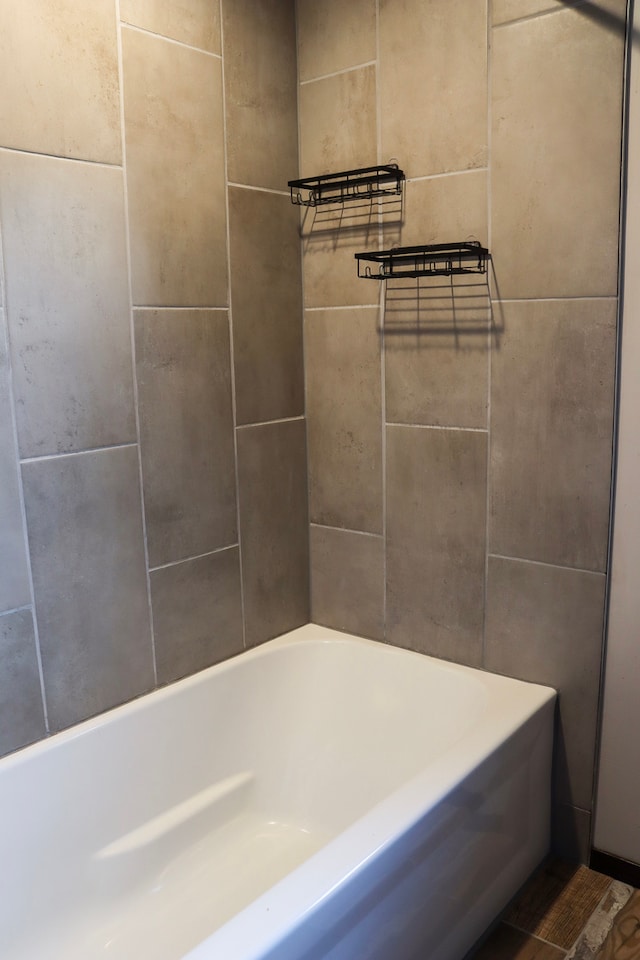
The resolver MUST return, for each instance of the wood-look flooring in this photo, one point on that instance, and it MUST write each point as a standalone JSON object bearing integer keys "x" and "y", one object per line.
{"x": 568, "y": 913}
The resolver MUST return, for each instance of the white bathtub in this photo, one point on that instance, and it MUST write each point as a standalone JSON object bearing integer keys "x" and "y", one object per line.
{"x": 320, "y": 796}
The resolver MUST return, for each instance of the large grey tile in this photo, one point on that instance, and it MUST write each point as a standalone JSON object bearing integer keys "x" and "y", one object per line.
{"x": 186, "y": 431}
{"x": 14, "y": 574}
{"x": 338, "y": 123}
{"x": 503, "y": 11}
{"x": 443, "y": 209}
{"x": 67, "y": 296}
{"x": 436, "y": 507}
{"x": 551, "y": 421}
{"x": 21, "y": 708}
{"x": 436, "y": 356}
{"x": 433, "y": 81}
{"x": 274, "y": 531}
{"x": 344, "y": 418}
{"x": 196, "y": 22}
{"x": 347, "y": 581}
{"x": 175, "y": 173}
{"x": 260, "y": 91}
{"x": 333, "y": 35}
{"x": 266, "y": 289}
{"x": 59, "y": 78}
{"x": 544, "y": 624}
{"x": 555, "y": 156}
{"x": 331, "y": 236}
{"x": 436, "y": 329}
{"x": 85, "y": 533}
{"x": 197, "y": 613}
{"x": 570, "y": 833}
{"x": 338, "y": 132}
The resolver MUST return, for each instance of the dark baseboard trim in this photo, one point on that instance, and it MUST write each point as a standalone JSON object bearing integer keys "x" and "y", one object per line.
{"x": 615, "y": 867}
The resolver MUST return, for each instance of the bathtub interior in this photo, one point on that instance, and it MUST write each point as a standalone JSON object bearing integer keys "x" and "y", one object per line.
{"x": 172, "y": 814}
{"x": 436, "y": 888}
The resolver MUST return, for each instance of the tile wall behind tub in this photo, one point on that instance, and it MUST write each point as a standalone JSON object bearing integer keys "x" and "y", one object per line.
{"x": 459, "y": 463}
{"x": 136, "y": 314}
{"x": 152, "y": 430}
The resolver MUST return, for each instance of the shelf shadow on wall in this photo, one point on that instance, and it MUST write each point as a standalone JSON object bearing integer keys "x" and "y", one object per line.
{"x": 358, "y": 217}
{"x": 456, "y": 312}
{"x": 613, "y": 22}
{"x": 331, "y": 235}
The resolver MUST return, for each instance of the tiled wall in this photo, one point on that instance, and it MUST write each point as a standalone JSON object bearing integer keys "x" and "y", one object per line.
{"x": 460, "y": 436}
{"x": 153, "y": 509}
{"x": 152, "y": 440}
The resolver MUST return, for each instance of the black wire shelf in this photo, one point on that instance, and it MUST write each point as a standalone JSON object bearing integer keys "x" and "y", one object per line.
{"x": 361, "y": 184}
{"x": 428, "y": 260}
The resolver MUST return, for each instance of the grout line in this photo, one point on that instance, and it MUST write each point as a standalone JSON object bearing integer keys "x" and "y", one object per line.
{"x": 490, "y": 147}
{"x": 338, "y": 73}
{"x": 534, "y": 936}
{"x": 163, "y": 307}
{"x": 56, "y": 156}
{"x": 79, "y": 453}
{"x": 354, "y": 306}
{"x": 489, "y": 333}
{"x": 268, "y": 423}
{"x": 161, "y": 36}
{"x": 360, "y": 533}
{"x": 232, "y": 364}
{"x": 448, "y": 173}
{"x": 378, "y": 104}
{"x": 249, "y": 186}
{"x": 134, "y": 373}
{"x": 554, "y": 566}
{"x": 567, "y": 5}
{"x": 433, "y": 426}
{"x": 22, "y": 609}
{"x": 199, "y": 556}
{"x": 383, "y": 454}
{"x": 4, "y": 335}
{"x": 303, "y": 309}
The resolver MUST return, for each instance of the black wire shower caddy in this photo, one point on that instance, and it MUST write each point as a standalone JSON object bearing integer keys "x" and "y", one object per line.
{"x": 360, "y": 184}
{"x": 427, "y": 260}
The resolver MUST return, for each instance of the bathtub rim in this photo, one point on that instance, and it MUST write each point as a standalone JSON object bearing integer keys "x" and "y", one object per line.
{"x": 299, "y": 636}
